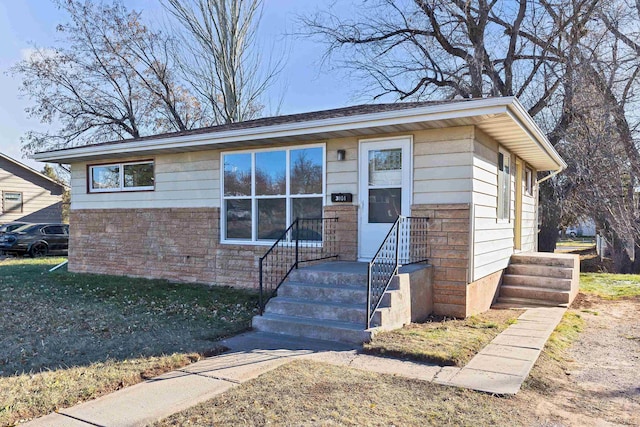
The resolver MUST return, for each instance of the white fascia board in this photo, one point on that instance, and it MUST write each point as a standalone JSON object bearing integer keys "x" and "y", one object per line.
{"x": 463, "y": 109}
{"x": 521, "y": 117}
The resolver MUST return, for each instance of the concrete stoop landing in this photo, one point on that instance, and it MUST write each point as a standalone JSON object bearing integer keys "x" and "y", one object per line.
{"x": 328, "y": 302}
{"x": 537, "y": 279}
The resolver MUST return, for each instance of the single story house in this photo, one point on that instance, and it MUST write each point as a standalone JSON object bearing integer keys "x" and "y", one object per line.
{"x": 28, "y": 195}
{"x": 204, "y": 205}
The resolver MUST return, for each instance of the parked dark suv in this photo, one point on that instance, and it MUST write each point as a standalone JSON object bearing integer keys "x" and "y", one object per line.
{"x": 36, "y": 240}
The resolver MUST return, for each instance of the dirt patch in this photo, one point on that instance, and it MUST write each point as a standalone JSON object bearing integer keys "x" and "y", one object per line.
{"x": 598, "y": 379}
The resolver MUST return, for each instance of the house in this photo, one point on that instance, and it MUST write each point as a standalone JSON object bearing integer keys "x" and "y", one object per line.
{"x": 205, "y": 205}
{"x": 28, "y": 195}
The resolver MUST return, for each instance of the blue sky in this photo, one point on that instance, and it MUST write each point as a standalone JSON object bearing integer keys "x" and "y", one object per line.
{"x": 303, "y": 85}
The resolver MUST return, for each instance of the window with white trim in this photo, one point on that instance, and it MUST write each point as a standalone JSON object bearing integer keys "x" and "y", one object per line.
{"x": 130, "y": 176}
{"x": 504, "y": 184}
{"x": 11, "y": 202}
{"x": 528, "y": 181}
{"x": 264, "y": 191}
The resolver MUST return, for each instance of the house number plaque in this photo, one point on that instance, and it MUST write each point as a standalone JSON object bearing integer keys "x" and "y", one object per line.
{"x": 341, "y": 197}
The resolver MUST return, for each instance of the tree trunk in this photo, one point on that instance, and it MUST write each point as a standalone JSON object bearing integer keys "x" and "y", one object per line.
{"x": 549, "y": 218}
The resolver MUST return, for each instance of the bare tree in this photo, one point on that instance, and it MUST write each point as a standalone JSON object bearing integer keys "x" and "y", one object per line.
{"x": 109, "y": 78}
{"x": 219, "y": 57}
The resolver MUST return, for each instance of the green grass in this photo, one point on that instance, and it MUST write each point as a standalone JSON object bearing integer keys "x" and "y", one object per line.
{"x": 610, "y": 286}
{"x": 97, "y": 333}
{"x": 446, "y": 342}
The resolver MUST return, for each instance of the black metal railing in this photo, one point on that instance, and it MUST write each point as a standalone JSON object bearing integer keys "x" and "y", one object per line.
{"x": 306, "y": 240}
{"x": 405, "y": 243}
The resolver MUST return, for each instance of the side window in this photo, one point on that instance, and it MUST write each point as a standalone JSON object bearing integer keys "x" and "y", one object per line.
{"x": 504, "y": 185}
{"x": 54, "y": 229}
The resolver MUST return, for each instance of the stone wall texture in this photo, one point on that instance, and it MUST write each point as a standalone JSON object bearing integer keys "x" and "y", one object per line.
{"x": 448, "y": 252}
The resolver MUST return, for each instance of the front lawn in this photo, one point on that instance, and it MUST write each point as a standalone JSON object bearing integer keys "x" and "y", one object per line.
{"x": 443, "y": 341}
{"x": 72, "y": 337}
{"x": 610, "y": 286}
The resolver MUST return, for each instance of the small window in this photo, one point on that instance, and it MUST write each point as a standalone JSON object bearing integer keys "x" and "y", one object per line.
{"x": 133, "y": 176}
{"x": 504, "y": 185}
{"x": 11, "y": 202}
{"x": 528, "y": 181}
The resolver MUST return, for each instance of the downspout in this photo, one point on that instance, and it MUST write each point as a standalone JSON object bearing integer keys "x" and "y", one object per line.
{"x": 551, "y": 175}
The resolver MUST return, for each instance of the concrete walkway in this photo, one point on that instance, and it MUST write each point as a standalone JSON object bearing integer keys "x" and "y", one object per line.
{"x": 500, "y": 368}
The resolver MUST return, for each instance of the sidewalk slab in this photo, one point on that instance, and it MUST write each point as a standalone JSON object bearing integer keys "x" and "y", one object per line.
{"x": 149, "y": 401}
{"x": 489, "y": 382}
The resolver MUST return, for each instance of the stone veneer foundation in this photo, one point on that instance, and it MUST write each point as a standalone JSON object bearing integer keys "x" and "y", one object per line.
{"x": 181, "y": 244}
{"x": 448, "y": 252}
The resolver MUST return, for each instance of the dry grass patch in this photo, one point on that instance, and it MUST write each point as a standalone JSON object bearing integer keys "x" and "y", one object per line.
{"x": 27, "y": 396}
{"x": 66, "y": 337}
{"x": 441, "y": 340}
{"x": 312, "y": 393}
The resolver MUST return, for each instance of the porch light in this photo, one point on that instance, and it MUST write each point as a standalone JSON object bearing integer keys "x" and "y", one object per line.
{"x": 341, "y": 155}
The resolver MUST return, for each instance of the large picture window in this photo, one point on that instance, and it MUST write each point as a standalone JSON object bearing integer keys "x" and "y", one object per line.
{"x": 131, "y": 176}
{"x": 264, "y": 191}
{"x": 504, "y": 185}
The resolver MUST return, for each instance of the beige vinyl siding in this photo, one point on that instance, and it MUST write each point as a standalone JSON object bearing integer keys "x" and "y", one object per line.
{"x": 181, "y": 180}
{"x": 41, "y": 198}
{"x": 442, "y": 165}
{"x": 342, "y": 175}
{"x": 492, "y": 238}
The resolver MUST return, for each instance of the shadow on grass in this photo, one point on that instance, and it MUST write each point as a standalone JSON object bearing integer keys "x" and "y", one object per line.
{"x": 61, "y": 319}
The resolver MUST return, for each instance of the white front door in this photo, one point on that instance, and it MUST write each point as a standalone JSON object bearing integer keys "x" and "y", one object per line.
{"x": 385, "y": 190}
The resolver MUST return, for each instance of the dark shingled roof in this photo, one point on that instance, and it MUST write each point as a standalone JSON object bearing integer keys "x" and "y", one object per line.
{"x": 291, "y": 118}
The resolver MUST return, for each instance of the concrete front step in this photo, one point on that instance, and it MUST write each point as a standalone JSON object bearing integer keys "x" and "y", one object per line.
{"x": 329, "y": 330}
{"x": 551, "y": 295}
{"x": 325, "y": 310}
{"x": 537, "y": 282}
{"x": 348, "y": 294}
{"x": 505, "y": 302}
{"x": 545, "y": 259}
{"x": 540, "y": 270}
{"x": 329, "y": 277}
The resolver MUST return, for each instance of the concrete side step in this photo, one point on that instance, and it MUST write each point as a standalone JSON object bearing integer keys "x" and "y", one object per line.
{"x": 319, "y": 292}
{"x": 552, "y": 295}
{"x": 551, "y": 260}
{"x": 536, "y": 282}
{"x": 328, "y": 330}
{"x": 540, "y": 270}
{"x": 328, "y": 277}
{"x": 505, "y": 302}
{"x": 326, "y": 310}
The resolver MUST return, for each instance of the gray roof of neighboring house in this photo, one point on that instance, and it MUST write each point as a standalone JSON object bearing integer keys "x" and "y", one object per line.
{"x": 30, "y": 170}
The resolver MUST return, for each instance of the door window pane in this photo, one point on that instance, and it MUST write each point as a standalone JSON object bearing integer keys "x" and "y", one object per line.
{"x": 271, "y": 167}
{"x": 272, "y": 218}
{"x": 306, "y": 171}
{"x": 237, "y": 175}
{"x": 238, "y": 219}
{"x": 105, "y": 177}
{"x": 138, "y": 175}
{"x": 384, "y": 205}
{"x": 385, "y": 167}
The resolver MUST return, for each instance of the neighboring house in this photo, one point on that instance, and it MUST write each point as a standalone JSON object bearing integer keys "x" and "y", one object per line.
{"x": 28, "y": 195}
{"x": 205, "y": 205}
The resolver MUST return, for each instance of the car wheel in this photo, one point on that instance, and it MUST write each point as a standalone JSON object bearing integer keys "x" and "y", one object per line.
{"x": 38, "y": 250}
{"x": 573, "y": 234}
